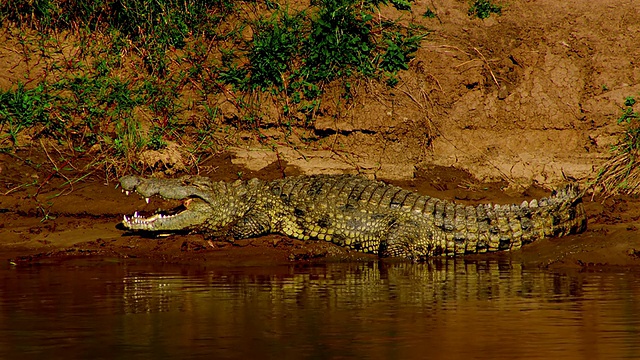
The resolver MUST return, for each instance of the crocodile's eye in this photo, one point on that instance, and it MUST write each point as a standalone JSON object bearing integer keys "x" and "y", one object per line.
{"x": 186, "y": 203}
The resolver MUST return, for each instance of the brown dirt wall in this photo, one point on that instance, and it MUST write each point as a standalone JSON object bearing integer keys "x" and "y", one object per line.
{"x": 531, "y": 96}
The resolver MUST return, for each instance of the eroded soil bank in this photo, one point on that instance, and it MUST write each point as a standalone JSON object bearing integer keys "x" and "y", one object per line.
{"x": 528, "y": 96}
{"x": 65, "y": 221}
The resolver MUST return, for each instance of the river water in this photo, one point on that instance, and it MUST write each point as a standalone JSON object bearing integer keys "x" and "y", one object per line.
{"x": 445, "y": 309}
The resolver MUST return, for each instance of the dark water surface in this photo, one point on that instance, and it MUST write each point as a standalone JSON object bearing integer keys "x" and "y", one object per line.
{"x": 103, "y": 309}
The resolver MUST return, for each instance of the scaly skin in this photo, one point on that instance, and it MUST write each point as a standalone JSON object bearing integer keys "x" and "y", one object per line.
{"x": 354, "y": 212}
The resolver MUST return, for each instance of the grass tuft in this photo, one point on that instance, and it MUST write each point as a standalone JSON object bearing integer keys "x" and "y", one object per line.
{"x": 621, "y": 173}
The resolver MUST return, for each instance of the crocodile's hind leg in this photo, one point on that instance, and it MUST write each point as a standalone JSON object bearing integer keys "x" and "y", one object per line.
{"x": 408, "y": 239}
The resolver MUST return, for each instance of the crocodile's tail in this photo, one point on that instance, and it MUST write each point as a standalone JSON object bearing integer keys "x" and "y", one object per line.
{"x": 512, "y": 226}
{"x": 566, "y": 211}
{"x": 508, "y": 227}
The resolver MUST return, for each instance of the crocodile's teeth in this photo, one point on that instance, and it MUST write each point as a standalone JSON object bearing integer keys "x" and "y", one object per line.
{"x": 125, "y": 218}
{"x": 135, "y": 214}
{"x": 533, "y": 203}
{"x": 127, "y": 192}
{"x": 524, "y": 204}
{"x": 147, "y": 200}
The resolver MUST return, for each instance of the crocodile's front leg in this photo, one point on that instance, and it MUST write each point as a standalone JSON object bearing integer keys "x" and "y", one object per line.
{"x": 251, "y": 224}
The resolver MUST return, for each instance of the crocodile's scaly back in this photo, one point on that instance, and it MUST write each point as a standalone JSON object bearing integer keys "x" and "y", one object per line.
{"x": 376, "y": 217}
{"x": 368, "y": 215}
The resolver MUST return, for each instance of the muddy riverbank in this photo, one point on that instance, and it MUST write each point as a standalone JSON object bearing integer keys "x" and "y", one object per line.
{"x": 79, "y": 220}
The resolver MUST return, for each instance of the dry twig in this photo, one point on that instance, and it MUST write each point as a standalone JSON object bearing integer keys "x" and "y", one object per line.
{"x": 488, "y": 67}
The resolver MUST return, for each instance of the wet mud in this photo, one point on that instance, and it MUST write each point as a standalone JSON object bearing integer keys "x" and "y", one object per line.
{"x": 52, "y": 221}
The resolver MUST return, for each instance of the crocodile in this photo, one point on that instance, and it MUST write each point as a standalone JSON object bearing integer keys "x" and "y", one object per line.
{"x": 352, "y": 211}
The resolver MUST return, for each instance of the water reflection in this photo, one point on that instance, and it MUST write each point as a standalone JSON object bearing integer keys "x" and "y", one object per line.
{"x": 444, "y": 308}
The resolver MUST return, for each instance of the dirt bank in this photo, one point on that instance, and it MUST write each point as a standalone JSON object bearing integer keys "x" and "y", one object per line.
{"x": 489, "y": 110}
{"x": 65, "y": 221}
{"x": 530, "y": 96}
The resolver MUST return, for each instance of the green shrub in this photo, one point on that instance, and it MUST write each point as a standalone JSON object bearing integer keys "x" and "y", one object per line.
{"x": 275, "y": 46}
{"x": 335, "y": 39}
{"x": 484, "y": 8}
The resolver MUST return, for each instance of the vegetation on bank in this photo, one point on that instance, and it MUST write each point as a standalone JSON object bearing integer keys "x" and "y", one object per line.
{"x": 621, "y": 173}
{"x": 109, "y": 79}
{"x": 482, "y": 9}
{"x": 124, "y": 76}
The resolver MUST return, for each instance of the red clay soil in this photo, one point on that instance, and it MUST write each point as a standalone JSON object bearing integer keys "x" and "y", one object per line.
{"x": 63, "y": 222}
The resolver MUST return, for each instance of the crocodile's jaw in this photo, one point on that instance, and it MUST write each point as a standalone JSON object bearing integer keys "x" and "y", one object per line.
{"x": 195, "y": 213}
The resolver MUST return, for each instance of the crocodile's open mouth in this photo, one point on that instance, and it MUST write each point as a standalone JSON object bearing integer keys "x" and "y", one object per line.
{"x": 178, "y": 218}
{"x": 138, "y": 221}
